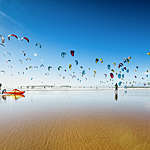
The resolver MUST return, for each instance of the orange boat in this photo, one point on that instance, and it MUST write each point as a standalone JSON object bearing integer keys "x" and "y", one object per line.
{"x": 15, "y": 92}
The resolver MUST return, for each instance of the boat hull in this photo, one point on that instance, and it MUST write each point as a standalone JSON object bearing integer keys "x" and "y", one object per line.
{"x": 15, "y": 92}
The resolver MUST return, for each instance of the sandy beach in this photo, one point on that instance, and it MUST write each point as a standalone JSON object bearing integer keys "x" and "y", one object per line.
{"x": 75, "y": 75}
{"x": 76, "y": 120}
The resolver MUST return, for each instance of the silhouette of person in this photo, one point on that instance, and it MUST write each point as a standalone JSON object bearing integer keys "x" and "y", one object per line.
{"x": 4, "y": 90}
{"x": 0, "y": 86}
{"x": 116, "y": 91}
{"x": 116, "y": 87}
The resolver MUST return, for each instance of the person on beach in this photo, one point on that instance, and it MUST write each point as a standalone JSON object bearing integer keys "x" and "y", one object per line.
{"x": 116, "y": 91}
{"x": 116, "y": 87}
{"x": 0, "y": 87}
{"x": 4, "y": 90}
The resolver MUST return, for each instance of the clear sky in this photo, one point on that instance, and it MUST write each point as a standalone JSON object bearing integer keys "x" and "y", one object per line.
{"x": 93, "y": 28}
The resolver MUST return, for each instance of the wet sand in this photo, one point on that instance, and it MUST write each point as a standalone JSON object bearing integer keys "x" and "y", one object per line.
{"x": 70, "y": 125}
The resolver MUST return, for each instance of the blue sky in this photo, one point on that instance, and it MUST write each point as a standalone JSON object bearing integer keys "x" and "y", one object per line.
{"x": 94, "y": 28}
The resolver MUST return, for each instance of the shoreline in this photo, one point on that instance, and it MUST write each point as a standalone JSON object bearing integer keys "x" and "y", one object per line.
{"x": 85, "y": 89}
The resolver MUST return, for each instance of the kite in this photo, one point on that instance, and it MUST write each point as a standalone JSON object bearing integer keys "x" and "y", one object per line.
{"x": 105, "y": 75}
{"x": 38, "y": 44}
{"x": 108, "y": 66}
{"x": 94, "y": 72}
{"x": 63, "y": 54}
{"x": 70, "y": 66}
{"x": 111, "y": 75}
{"x": 114, "y": 63}
{"x": 101, "y": 60}
{"x": 119, "y": 76}
{"x": 83, "y": 73}
{"x": 129, "y": 57}
{"x": 28, "y": 59}
{"x": 30, "y": 67}
{"x": 60, "y": 67}
{"x": 81, "y": 67}
{"x": 122, "y": 69}
{"x": 25, "y": 38}
{"x": 137, "y": 67}
{"x": 96, "y": 60}
{"x": 76, "y": 62}
{"x": 13, "y": 36}
{"x": 120, "y": 65}
{"x": 120, "y": 83}
{"x": 2, "y": 39}
{"x": 112, "y": 70}
{"x": 49, "y": 68}
{"x": 72, "y": 52}
{"x": 41, "y": 65}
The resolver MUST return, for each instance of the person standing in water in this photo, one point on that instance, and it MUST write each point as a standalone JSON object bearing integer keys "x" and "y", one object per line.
{"x": 0, "y": 87}
{"x": 116, "y": 87}
{"x": 116, "y": 91}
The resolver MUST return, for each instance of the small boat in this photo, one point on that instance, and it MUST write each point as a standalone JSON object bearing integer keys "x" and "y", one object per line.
{"x": 15, "y": 92}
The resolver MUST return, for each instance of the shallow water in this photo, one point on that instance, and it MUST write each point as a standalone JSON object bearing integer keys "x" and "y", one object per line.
{"x": 71, "y": 120}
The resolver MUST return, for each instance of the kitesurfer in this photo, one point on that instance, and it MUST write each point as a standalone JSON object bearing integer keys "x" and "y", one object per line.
{"x": 116, "y": 87}
{"x": 0, "y": 86}
{"x": 4, "y": 90}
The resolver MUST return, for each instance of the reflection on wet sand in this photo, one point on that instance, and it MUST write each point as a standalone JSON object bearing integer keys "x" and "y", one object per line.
{"x": 4, "y": 97}
{"x": 116, "y": 95}
{"x": 15, "y": 97}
